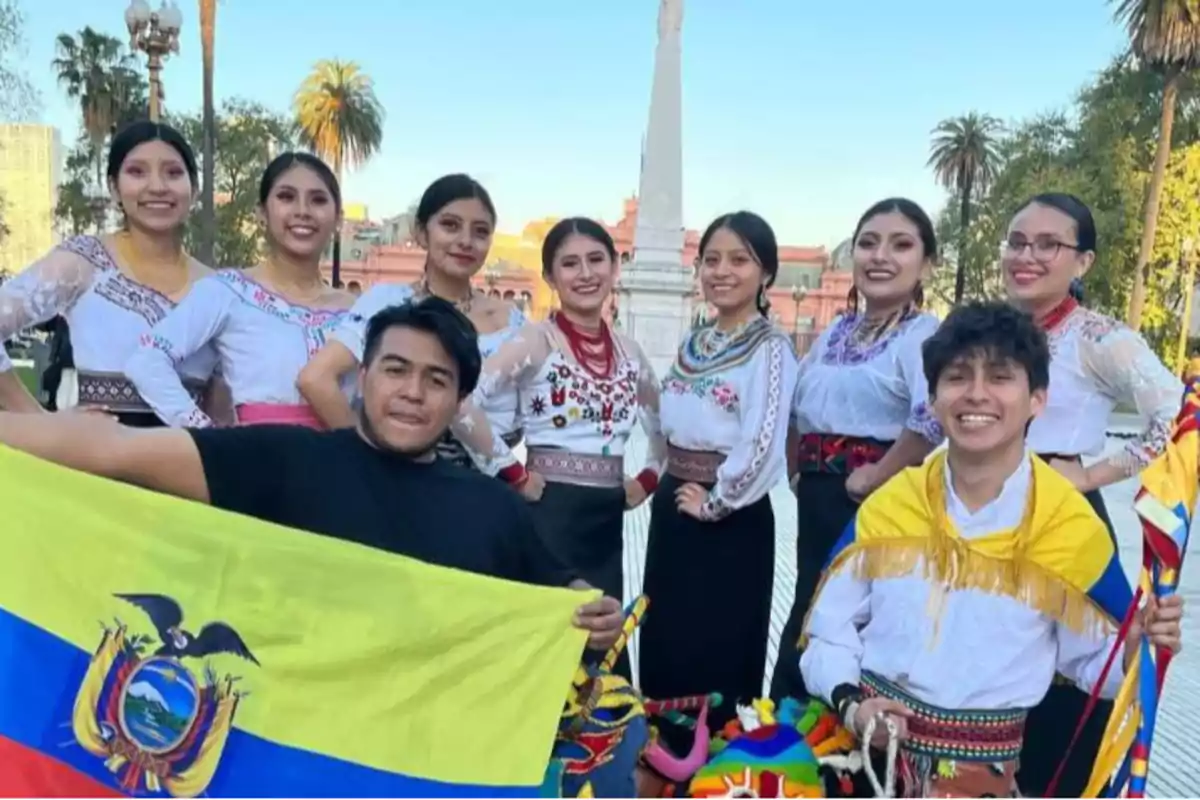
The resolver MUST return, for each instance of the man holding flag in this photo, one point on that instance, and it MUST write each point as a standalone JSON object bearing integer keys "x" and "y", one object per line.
{"x": 965, "y": 584}
{"x": 379, "y": 485}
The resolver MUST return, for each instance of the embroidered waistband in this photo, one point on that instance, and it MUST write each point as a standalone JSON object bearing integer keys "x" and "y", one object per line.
{"x": 959, "y": 735}
{"x": 118, "y": 394}
{"x": 834, "y": 453}
{"x": 696, "y": 466}
{"x": 567, "y": 467}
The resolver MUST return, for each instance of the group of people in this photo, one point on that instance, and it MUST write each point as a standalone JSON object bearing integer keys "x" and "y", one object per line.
{"x": 925, "y": 597}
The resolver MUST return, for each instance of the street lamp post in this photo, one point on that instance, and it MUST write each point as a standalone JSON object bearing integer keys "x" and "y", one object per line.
{"x": 155, "y": 33}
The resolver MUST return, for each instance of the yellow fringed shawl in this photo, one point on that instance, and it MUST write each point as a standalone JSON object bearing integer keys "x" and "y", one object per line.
{"x": 1050, "y": 561}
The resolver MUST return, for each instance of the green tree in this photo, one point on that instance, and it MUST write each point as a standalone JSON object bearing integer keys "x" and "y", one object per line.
{"x": 247, "y": 134}
{"x": 964, "y": 160}
{"x": 98, "y": 72}
{"x": 1164, "y": 35}
{"x": 341, "y": 120}
{"x": 79, "y": 209}
{"x": 19, "y": 100}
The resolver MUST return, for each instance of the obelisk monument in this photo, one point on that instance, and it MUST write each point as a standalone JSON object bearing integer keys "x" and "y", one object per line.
{"x": 656, "y": 287}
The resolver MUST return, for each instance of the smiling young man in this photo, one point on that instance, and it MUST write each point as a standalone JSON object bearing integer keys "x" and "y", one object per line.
{"x": 378, "y": 484}
{"x": 966, "y": 583}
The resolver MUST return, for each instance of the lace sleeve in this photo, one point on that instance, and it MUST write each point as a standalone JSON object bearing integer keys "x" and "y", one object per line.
{"x": 912, "y": 370}
{"x": 188, "y": 328}
{"x": 505, "y": 371}
{"x": 47, "y": 288}
{"x": 757, "y": 461}
{"x": 1125, "y": 368}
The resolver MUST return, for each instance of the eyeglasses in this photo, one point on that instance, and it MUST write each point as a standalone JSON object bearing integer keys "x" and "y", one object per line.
{"x": 1043, "y": 249}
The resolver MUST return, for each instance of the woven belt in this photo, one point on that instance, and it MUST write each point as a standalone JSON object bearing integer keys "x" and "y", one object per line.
{"x": 694, "y": 466}
{"x": 840, "y": 455}
{"x": 567, "y": 467}
{"x": 960, "y": 735}
{"x": 117, "y": 393}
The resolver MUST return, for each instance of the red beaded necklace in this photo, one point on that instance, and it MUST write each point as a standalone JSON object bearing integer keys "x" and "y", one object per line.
{"x": 1057, "y": 314}
{"x": 594, "y": 352}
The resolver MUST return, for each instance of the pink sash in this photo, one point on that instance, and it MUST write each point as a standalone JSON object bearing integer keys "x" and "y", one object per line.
{"x": 278, "y": 414}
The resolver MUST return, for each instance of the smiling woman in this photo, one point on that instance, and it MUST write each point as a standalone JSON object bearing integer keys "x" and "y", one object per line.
{"x": 861, "y": 406}
{"x": 265, "y": 322}
{"x": 110, "y": 290}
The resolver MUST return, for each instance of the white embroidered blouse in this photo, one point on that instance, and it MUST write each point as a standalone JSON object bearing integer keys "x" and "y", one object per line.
{"x": 982, "y": 650}
{"x": 874, "y": 391}
{"x": 106, "y": 311}
{"x": 263, "y": 341}
{"x": 730, "y": 394}
{"x": 563, "y": 406}
{"x": 1096, "y": 363}
{"x": 501, "y": 408}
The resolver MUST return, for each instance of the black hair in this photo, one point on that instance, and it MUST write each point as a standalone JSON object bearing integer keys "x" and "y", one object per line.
{"x": 758, "y": 237}
{"x": 1085, "y": 226}
{"x": 138, "y": 133}
{"x": 994, "y": 329}
{"x": 1073, "y": 207}
{"x": 448, "y": 189}
{"x": 910, "y": 211}
{"x": 571, "y": 225}
{"x": 284, "y": 162}
{"x": 442, "y": 319}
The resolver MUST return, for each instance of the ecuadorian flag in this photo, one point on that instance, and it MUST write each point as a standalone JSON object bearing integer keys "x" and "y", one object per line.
{"x": 156, "y": 647}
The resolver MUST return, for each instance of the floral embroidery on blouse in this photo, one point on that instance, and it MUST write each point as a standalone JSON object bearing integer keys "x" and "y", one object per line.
{"x": 921, "y": 421}
{"x": 576, "y": 396}
{"x": 723, "y": 498}
{"x": 710, "y": 387}
{"x": 316, "y": 323}
{"x": 841, "y": 347}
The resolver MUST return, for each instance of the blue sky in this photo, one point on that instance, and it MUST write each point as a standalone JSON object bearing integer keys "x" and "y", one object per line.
{"x": 806, "y": 112}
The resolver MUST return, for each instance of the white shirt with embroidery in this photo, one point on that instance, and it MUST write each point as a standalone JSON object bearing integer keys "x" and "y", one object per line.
{"x": 263, "y": 340}
{"x": 562, "y": 405}
{"x": 736, "y": 403}
{"x": 872, "y": 391}
{"x": 106, "y": 311}
{"x": 1095, "y": 363}
{"x": 981, "y": 650}
{"x": 501, "y": 408}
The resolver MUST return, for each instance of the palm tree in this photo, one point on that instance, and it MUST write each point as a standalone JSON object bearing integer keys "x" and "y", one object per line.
{"x": 208, "y": 215}
{"x": 964, "y": 158}
{"x": 340, "y": 119}
{"x": 1164, "y": 35}
{"x": 96, "y": 70}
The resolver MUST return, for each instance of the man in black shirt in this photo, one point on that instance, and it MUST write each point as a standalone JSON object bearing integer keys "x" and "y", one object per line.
{"x": 379, "y": 484}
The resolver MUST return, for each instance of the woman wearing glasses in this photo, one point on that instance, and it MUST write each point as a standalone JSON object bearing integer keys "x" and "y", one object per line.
{"x": 1096, "y": 363}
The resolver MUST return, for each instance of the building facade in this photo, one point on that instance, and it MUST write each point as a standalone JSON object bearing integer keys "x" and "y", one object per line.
{"x": 810, "y": 289}
{"x": 30, "y": 170}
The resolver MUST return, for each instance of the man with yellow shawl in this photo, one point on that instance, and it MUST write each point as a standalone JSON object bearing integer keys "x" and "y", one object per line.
{"x": 966, "y": 583}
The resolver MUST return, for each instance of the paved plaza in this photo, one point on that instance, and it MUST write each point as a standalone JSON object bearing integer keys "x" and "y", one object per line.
{"x": 1173, "y": 773}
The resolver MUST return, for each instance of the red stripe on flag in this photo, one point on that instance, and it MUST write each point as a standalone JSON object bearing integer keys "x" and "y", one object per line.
{"x": 25, "y": 772}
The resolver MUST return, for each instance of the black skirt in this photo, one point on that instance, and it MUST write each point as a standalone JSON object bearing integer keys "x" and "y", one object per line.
{"x": 709, "y": 585}
{"x": 823, "y": 510}
{"x": 583, "y": 526}
{"x": 1052, "y": 723}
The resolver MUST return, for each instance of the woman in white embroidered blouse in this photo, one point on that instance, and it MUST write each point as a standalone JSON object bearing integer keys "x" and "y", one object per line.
{"x": 1096, "y": 362}
{"x": 454, "y": 223}
{"x": 725, "y": 415}
{"x": 266, "y": 321}
{"x": 861, "y": 410}
{"x": 582, "y": 388}
{"x": 109, "y": 290}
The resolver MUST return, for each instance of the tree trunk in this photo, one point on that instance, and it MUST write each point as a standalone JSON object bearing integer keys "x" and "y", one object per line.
{"x": 208, "y": 212}
{"x": 964, "y": 226}
{"x": 1162, "y": 152}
